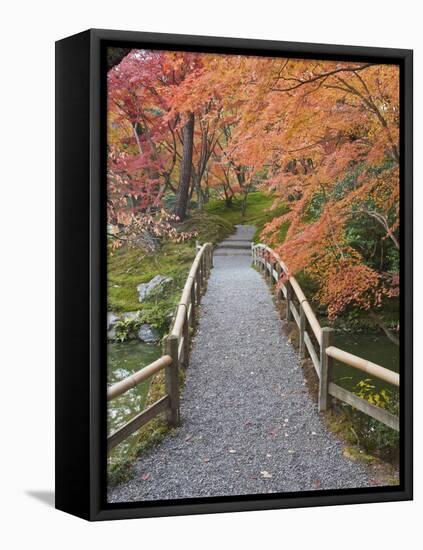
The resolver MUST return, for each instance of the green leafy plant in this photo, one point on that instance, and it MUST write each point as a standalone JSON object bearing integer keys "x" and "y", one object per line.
{"x": 127, "y": 328}
{"x": 366, "y": 390}
{"x": 372, "y": 434}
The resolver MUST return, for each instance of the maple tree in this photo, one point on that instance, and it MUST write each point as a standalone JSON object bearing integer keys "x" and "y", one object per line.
{"x": 321, "y": 136}
{"x": 339, "y": 162}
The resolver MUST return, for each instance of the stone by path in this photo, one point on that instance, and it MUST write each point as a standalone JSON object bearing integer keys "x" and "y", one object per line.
{"x": 248, "y": 423}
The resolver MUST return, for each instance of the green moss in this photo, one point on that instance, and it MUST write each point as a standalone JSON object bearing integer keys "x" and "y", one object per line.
{"x": 259, "y": 211}
{"x": 392, "y": 480}
{"x": 257, "y": 202}
{"x": 358, "y": 455}
{"x": 210, "y": 227}
{"x": 128, "y": 267}
{"x": 341, "y": 425}
{"x": 120, "y": 471}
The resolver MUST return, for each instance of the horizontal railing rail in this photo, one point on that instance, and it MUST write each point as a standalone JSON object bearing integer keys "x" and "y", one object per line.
{"x": 176, "y": 353}
{"x": 131, "y": 381}
{"x": 310, "y": 331}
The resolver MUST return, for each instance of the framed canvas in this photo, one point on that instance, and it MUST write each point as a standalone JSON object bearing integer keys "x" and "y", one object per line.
{"x": 234, "y": 274}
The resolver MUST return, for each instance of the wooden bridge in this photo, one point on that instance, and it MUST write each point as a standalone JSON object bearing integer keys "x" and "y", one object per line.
{"x": 313, "y": 340}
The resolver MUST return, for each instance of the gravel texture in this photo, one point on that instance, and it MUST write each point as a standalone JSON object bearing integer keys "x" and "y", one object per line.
{"x": 248, "y": 423}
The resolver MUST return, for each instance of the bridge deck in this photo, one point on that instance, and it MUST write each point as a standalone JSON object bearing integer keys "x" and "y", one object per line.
{"x": 248, "y": 423}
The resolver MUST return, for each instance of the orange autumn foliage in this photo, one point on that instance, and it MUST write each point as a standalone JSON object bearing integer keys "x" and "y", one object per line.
{"x": 321, "y": 136}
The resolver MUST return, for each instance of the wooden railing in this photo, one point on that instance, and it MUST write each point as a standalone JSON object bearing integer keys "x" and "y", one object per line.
{"x": 176, "y": 353}
{"x": 318, "y": 341}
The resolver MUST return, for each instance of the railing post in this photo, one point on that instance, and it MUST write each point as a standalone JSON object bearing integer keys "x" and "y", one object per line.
{"x": 326, "y": 364}
{"x": 301, "y": 349}
{"x": 202, "y": 274}
{"x": 272, "y": 280}
{"x": 172, "y": 380}
{"x": 279, "y": 272}
{"x": 289, "y": 315}
{"x": 185, "y": 334}
{"x": 208, "y": 261}
{"x": 197, "y": 284}
{"x": 192, "y": 298}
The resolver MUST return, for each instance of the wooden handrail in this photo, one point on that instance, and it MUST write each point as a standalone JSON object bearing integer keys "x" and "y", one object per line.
{"x": 309, "y": 313}
{"x": 183, "y": 305}
{"x": 311, "y": 317}
{"x": 363, "y": 364}
{"x": 324, "y": 365}
{"x": 134, "y": 379}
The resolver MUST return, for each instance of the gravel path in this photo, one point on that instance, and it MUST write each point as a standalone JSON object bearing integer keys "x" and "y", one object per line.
{"x": 248, "y": 423}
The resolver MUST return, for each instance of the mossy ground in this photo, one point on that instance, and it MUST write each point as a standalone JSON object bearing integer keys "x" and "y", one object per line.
{"x": 130, "y": 266}
{"x": 259, "y": 211}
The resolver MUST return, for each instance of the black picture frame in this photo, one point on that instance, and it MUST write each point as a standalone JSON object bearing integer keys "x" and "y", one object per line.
{"x": 81, "y": 274}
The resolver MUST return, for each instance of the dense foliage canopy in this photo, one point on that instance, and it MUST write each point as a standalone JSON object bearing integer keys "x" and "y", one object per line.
{"x": 321, "y": 136}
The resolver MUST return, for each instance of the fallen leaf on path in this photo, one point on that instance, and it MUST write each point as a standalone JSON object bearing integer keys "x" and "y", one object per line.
{"x": 145, "y": 477}
{"x": 374, "y": 482}
{"x": 206, "y": 459}
{"x": 317, "y": 483}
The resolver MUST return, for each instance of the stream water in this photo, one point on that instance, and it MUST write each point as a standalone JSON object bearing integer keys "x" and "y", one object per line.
{"x": 124, "y": 359}
{"x": 373, "y": 347}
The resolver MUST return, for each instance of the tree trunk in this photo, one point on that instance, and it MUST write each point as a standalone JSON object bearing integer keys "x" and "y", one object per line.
{"x": 200, "y": 198}
{"x": 244, "y": 205}
{"x": 181, "y": 203}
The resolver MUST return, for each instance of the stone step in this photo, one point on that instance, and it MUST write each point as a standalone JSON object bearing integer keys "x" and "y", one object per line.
{"x": 238, "y": 238}
{"x": 235, "y": 244}
{"x": 231, "y": 252}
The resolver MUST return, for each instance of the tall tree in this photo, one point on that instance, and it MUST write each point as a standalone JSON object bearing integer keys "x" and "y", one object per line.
{"x": 181, "y": 203}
